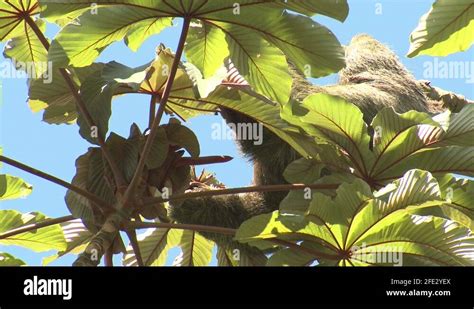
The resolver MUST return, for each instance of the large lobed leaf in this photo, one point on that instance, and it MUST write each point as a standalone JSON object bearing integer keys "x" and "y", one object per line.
{"x": 155, "y": 244}
{"x": 257, "y": 44}
{"x": 399, "y": 142}
{"x": 23, "y": 44}
{"x": 356, "y": 227}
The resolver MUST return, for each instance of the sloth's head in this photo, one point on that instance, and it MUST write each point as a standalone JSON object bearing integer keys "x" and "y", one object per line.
{"x": 365, "y": 56}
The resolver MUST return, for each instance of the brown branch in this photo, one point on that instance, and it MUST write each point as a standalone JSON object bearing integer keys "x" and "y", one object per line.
{"x": 130, "y": 193}
{"x": 314, "y": 253}
{"x": 36, "y": 226}
{"x": 210, "y": 193}
{"x": 109, "y": 257}
{"x": 93, "y": 198}
{"x": 202, "y": 160}
{"x": 132, "y": 236}
{"x": 192, "y": 227}
{"x": 119, "y": 179}
{"x": 152, "y": 111}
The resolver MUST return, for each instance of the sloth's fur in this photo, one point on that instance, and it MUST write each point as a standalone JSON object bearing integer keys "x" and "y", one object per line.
{"x": 373, "y": 78}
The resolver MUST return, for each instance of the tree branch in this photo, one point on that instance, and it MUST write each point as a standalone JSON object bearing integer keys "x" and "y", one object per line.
{"x": 192, "y": 227}
{"x": 132, "y": 236}
{"x": 152, "y": 111}
{"x": 202, "y": 160}
{"x": 36, "y": 226}
{"x": 93, "y": 198}
{"x": 109, "y": 257}
{"x": 210, "y": 193}
{"x": 314, "y": 253}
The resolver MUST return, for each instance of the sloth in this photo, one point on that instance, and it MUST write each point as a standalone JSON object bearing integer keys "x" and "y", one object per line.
{"x": 374, "y": 78}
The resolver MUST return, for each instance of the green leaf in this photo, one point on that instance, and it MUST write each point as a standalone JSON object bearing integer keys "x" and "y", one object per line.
{"x": 195, "y": 250}
{"x": 126, "y": 153}
{"x": 13, "y": 188}
{"x": 333, "y": 8}
{"x": 309, "y": 45}
{"x": 90, "y": 176}
{"x": 414, "y": 140}
{"x": 257, "y": 43}
{"x": 97, "y": 91}
{"x": 144, "y": 29}
{"x": 44, "y": 239}
{"x": 154, "y": 246}
{"x": 303, "y": 171}
{"x": 9, "y": 260}
{"x": 27, "y": 50}
{"x": 358, "y": 228}
{"x": 294, "y": 257}
{"x": 389, "y": 125}
{"x": 447, "y": 28}
{"x": 77, "y": 237}
{"x": 206, "y": 48}
{"x": 258, "y": 61}
{"x": 159, "y": 150}
{"x": 95, "y": 34}
{"x": 334, "y": 120}
{"x": 400, "y": 142}
{"x": 205, "y": 86}
{"x": 24, "y": 45}
{"x": 237, "y": 257}
{"x": 55, "y": 97}
{"x": 248, "y": 103}
{"x": 182, "y": 136}
{"x": 458, "y": 206}
{"x": 416, "y": 188}
{"x": 460, "y": 131}
{"x": 450, "y": 159}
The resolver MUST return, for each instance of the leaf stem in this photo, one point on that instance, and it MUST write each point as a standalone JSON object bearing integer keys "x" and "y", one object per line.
{"x": 130, "y": 193}
{"x": 314, "y": 253}
{"x": 152, "y": 110}
{"x": 109, "y": 257}
{"x": 36, "y": 226}
{"x": 132, "y": 236}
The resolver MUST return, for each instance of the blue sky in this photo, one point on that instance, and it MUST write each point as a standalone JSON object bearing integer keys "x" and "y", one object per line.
{"x": 54, "y": 149}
